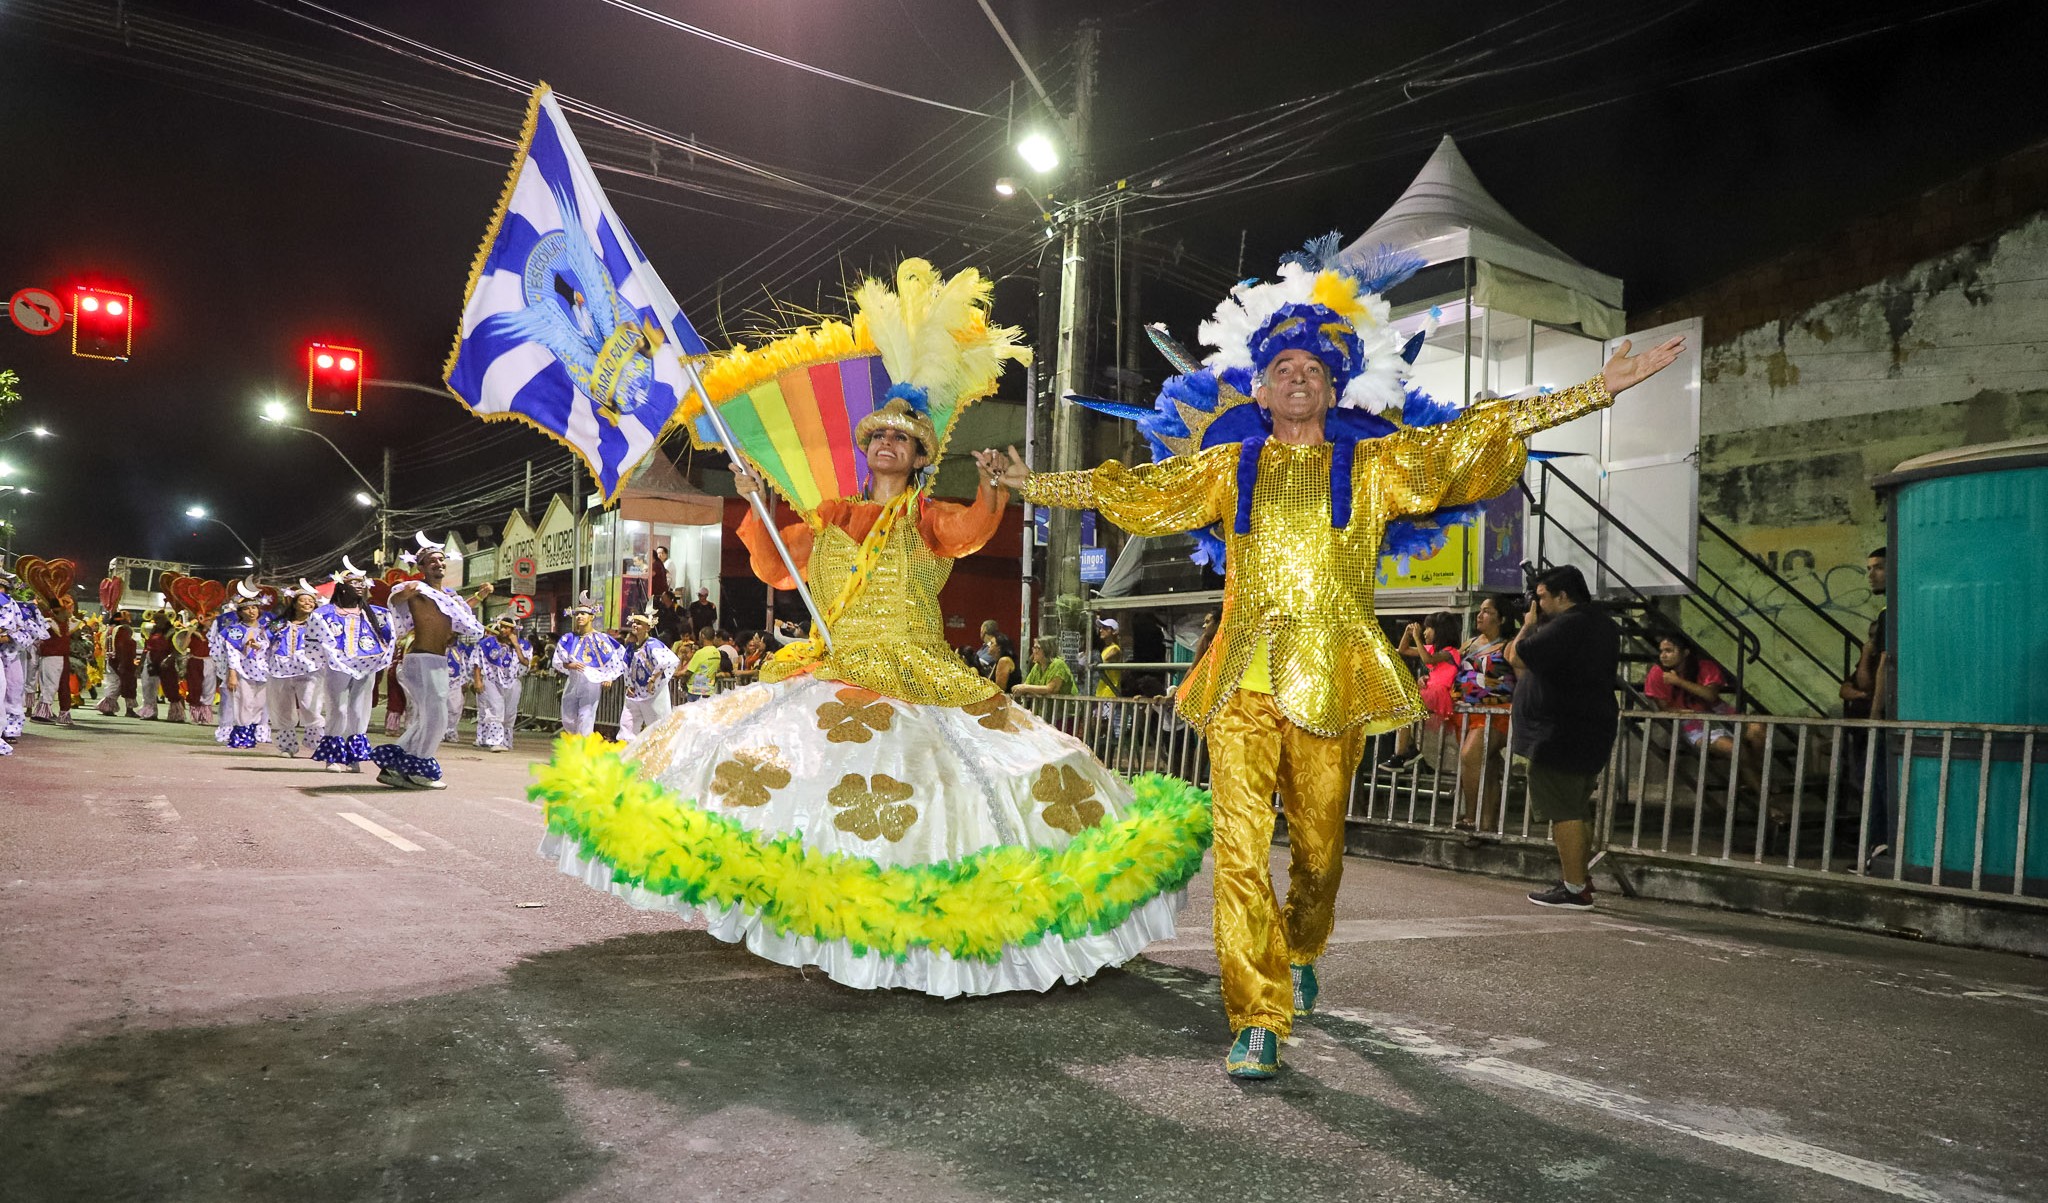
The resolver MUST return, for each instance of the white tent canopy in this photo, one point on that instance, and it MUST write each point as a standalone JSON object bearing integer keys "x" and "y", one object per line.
{"x": 1447, "y": 215}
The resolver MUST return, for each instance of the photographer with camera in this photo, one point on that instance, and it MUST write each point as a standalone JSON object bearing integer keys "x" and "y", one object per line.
{"x": 1565, "y": 715}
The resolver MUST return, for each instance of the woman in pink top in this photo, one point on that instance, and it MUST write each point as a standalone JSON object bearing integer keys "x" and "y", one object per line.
{"x": 1432, "y": 645}
{"x": 1683, "y": 681}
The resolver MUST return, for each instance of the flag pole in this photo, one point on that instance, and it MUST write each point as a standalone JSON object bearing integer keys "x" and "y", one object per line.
{"x": 760, "y": 507}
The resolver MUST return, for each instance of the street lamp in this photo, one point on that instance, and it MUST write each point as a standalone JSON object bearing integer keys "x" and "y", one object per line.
{"x": 41, "y": 432}
{"x": 199, "y": 512}
{"x": 1038, "y": 153}
{"x": 277, "y": 413}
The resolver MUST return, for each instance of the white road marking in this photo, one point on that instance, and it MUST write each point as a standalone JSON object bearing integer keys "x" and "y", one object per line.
{"x": 383, "y": 833}
{"x": 1754, "y": 1141}
{"x": 1768, "y": 1145}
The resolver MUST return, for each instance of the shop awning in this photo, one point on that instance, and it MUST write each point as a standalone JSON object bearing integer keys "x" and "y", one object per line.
{"x": 658, "y": 493}
{"x": 1447, "y": 215}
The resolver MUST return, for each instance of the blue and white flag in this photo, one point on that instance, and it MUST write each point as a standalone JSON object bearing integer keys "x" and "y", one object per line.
{"x": 566, "y": 326}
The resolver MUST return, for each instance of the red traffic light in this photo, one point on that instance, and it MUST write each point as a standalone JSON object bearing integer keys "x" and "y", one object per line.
{"x": 334, "y": 379}
{"x": 102, "y": 324}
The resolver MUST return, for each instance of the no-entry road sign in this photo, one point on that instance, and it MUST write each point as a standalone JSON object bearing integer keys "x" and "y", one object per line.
{"x": 36, "y": 310}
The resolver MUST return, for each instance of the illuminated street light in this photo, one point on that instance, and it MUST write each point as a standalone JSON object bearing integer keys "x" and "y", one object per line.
{"x": 41, "y": 432}
{"x": 1006, "y": 187}
{"x": 1038, "y": 153}
{"x": 199, "y": 512}
{"x": 364, "y": 499}
{"x": 275, "y": 411}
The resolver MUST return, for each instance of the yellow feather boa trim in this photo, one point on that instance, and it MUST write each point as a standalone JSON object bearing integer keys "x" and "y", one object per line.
{"x": 972, "y": 907}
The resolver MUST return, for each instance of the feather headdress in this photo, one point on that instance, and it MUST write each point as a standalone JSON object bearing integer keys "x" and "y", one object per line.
{"x": 1334, "y": 311}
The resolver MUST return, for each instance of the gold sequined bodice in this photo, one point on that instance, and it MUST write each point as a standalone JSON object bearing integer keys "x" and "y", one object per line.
{"x": 1297, "y": 585}
{"x": 891, "y": 638}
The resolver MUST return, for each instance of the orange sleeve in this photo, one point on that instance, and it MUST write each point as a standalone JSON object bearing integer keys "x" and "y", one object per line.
{"x": 761, "y": 551}
{"x": 953, "y": 530}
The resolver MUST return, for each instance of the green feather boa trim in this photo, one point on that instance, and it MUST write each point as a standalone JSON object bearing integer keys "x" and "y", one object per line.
{"x": 972, "y": 907}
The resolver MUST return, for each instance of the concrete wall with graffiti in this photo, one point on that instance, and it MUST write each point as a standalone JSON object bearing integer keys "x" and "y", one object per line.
{"x": 1800, "y": 413}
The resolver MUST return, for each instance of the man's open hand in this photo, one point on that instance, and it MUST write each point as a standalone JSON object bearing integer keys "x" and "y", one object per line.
{"x": 1627, "y": 371}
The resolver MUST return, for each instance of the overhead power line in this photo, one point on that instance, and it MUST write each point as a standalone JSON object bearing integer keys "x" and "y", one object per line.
{"x": 771, "y": 56}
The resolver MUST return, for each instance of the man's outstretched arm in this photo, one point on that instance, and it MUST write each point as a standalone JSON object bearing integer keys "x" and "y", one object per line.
{"x": 1481, "y": 454}
{"x": 1180, "y": 494}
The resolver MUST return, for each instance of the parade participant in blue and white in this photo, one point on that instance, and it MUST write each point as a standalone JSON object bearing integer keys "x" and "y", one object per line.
{"x": 21, "y": 627}
{"x": 461, "y": 667}
{"x": 292, "y": 694}
{"x": 502, "y": 658}
{"x": 354, "y": 641}
{"x": 437, "y": 620}
{"x": 244, "y": 650}
{"x": 649, "y": 666}
{"x": 218, "y": 629}
{"x": 588, "y": 660}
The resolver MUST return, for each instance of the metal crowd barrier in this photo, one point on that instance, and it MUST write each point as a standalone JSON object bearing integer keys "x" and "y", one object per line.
{"x": 1944, "y": 804}
{"x": 540, "y": 700}
{"x": 1952, "y": 805}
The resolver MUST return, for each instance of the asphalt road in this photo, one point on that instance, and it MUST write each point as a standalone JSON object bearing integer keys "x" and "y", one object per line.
{"x": 225, "y": 976}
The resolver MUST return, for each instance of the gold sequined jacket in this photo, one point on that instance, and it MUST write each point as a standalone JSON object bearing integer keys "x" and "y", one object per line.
{"x": 1295, "y": 583}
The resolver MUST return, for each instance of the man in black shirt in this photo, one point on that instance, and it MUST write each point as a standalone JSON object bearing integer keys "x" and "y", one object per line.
{"x": 703, "y": 611}
{"x": 1565, "y": 658}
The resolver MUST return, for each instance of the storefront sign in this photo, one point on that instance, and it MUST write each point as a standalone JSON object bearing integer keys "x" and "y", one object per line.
{"x": 556, "y": 538}
{"x": 517, "y": 543}
{"x": 482, "y": 566}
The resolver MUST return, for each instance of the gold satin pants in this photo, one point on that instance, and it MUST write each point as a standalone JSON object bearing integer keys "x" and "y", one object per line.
{"x": 1254, "y": 750}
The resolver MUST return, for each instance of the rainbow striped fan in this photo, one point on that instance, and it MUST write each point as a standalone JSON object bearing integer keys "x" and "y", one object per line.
{"x": 796, "y": 427}
{"x": 794, "y": 404}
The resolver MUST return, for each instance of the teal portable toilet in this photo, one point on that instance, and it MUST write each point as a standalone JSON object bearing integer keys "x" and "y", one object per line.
{"x": 1968, "y": 580}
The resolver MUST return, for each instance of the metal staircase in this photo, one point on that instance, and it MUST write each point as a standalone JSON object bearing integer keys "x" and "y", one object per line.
{"x": 1786, "y": 658}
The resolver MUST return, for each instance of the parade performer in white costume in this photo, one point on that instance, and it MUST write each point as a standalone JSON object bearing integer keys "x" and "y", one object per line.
{"x": 292, "y": 693}
{"x": 437, "y": 621}
{"x": 242, "y": 649}
{"x": 588, "y": 660}
{"x": 21, "y": 627}
{"x": 873, "y": 807}
{"x": 501, "y": 659}
{"x": 649, "y": 666}
{"x": 354, "y": 640}
{"x": 460, "y": 669}
{"x": 145, "y": 668}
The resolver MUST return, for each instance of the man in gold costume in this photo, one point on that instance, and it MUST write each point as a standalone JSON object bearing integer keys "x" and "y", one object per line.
{"x": 1299, "y": 673}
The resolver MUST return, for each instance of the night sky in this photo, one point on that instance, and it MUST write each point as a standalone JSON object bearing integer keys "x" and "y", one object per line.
{"x": 246, "y": 228}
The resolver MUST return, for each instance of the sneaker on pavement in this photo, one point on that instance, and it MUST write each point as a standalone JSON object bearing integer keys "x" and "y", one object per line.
{"x": 1305, "y": 989}
{"x": 1558, "y": 895}
{"x": 1255, "y": 1054}
{"x": 338, "y": 767}
{"x": 393, "y": 777}
{"x": 423, "y": 782}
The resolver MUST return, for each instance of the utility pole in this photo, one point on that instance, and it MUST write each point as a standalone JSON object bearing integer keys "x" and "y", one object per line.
{"x": 1072, "y": 369}
{"x": 575, "y": 529}
{"x": 384, "y": 514}
{"x": 526, "y": 498}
